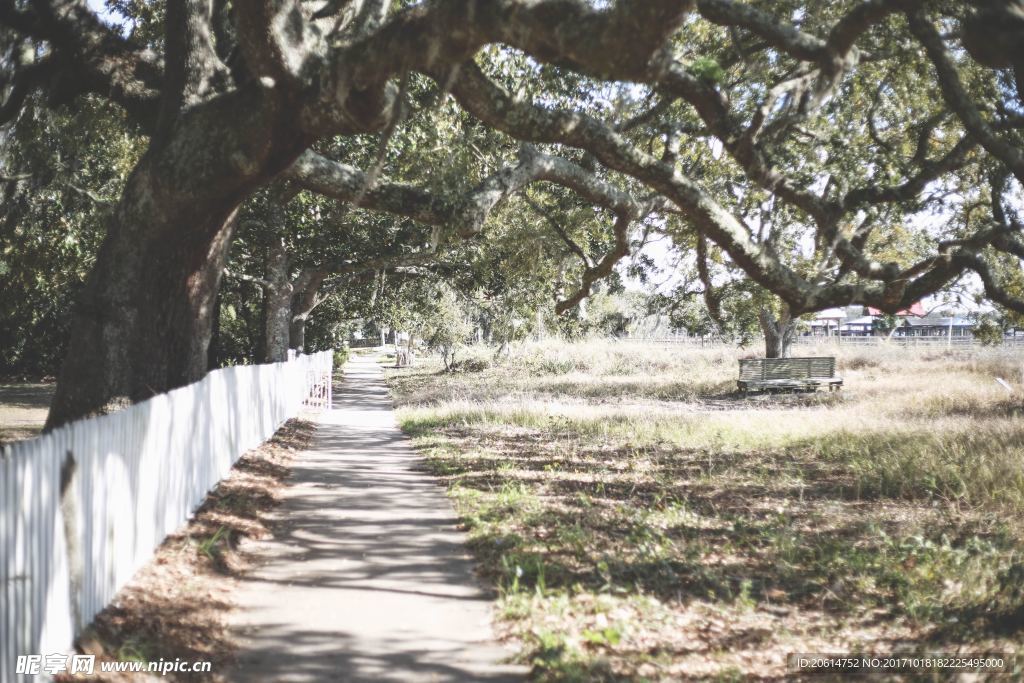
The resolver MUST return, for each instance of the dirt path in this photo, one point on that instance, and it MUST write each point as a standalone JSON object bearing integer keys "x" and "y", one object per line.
{"x": 367, "y": 578}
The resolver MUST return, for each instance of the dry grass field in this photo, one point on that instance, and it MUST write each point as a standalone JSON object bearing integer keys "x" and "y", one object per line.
{"x": 641, "y": 521}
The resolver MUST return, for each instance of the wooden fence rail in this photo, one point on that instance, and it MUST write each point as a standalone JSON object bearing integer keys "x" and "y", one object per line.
{"x": 881, "y": 342}
{"x": 84, "y": 507}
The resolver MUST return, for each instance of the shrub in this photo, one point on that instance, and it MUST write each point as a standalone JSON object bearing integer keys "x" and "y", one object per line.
{"x": 473, "y": 364}
{"x": 340, "y": 358}
{"x": 859, "y": 363}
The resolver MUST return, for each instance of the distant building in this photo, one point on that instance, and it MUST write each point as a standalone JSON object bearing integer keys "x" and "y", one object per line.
{"x": 861, "y": 326}
{"x": 913, "y": 321}
{"x": 936, "y": 326}
{"x": 827, "y": 323}
{"x": 914, "y": 310}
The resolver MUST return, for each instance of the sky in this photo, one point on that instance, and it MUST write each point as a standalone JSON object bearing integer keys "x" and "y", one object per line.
{"x": 100, "y": 8}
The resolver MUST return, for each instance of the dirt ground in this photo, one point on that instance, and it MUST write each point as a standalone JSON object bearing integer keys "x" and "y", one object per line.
{"x": 23, "y": 409}
{"x": 639, "y": 521}
{"x": 175, "y": 607}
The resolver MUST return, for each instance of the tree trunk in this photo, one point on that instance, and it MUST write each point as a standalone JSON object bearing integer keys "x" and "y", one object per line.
{"x": 258, "y": 328}
{"x": 143, "y": 323}
{"x": 278, "y": 303}
{"x": 305, "y": 298}
{"x": 213, "y": 352}
{"x": 778, "y": 332}
{"x": 144, "y": 319}
{"x": 297, "y": 333}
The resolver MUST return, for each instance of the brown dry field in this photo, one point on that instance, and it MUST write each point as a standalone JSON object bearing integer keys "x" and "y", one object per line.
{"x": 643, "y": 522}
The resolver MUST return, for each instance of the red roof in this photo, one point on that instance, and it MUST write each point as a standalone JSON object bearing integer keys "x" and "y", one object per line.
{"x": 915, "y": 309}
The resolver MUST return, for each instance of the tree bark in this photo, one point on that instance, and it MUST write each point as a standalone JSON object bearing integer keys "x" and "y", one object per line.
{"x": 778, "y": 332}
{"x": 143, "y": 323}
{"x": 144, "y": 320}
{"x": 305, "y": 297}
{"x": 278, "y": 302}
{"x": 213, "y": 350}
{"x": 297, "y": 334}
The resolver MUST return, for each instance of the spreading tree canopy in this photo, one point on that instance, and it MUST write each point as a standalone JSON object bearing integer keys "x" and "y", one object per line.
{"x": 794, "y": 142}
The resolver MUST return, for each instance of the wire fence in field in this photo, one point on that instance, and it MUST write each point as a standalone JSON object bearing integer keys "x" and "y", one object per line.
{"x": 935, "y": 342}
{"x": 83, "y": 507}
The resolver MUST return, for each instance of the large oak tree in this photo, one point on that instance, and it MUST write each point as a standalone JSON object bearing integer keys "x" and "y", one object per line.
{"x": 807, "y": 105}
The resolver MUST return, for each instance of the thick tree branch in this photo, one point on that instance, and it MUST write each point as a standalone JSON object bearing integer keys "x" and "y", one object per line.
{"x": 782, "y": 35}
{"x": 193, "y": 69}
{"x": 993, "y": 290}
{"x": 467, "y": 214}
{"x": 306, "y": 292}
{"x": 525, "y": 121}
{"x": 245, "y": 277}
{"x": 22, "y": 83}
{"x": 559, "y": 230}
{"x": 796, "y": 43}
{"x": 957, "y": 98}
{"x": 347, "y": 183}
{"x": 603, "y": 268}
{"x": 92, "y": 57}
{"x": 277, "y": 40}
{"x": 622, "y": 42}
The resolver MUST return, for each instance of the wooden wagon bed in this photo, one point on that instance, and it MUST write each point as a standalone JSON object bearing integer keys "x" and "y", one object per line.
{"x": 788, "y": 373}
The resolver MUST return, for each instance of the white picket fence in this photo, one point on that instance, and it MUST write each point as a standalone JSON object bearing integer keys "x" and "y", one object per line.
{"x": 117, "y": 485}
